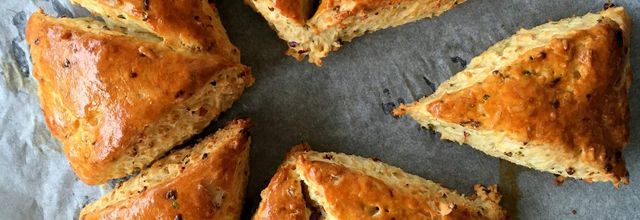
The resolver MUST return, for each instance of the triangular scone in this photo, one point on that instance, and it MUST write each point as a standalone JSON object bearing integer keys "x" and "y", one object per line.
{"x": 314, "y": 185}
{"x": 206, "y": 181}
{"x": 119, "y": 100}
{"x": 553, "y": 98}
{"x": 192, "y": 24}
{"x": 314, "y": 28}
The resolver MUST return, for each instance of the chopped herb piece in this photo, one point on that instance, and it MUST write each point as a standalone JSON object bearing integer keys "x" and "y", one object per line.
{"x": 175, "y": 204}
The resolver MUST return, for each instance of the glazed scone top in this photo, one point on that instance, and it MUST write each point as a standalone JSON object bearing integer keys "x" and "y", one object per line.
{"x": 192, "y": 24}
{"x": 347, "y": 193}
{"x": 562, "y": 84}
{"x": 570, "y": 94}
{"x": 315, "y": 28}
{"x": 337, "y": 186}
{"x": 205, "y": 182}
{"x": 301, "y": 11}
{"x": 109, "y": 86}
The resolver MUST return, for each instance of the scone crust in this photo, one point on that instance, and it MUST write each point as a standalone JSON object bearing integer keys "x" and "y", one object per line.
{"x": 284, "y": 198}
{"x": 565, "y": 101}
{"x": 100, "y": 89}
{"x": 194, "y": 24}
{"x": 206, "y": 182}
{"x": 339, "y": 186}
{"x": 340, "y": 10}
{"x": 314, "y": 32}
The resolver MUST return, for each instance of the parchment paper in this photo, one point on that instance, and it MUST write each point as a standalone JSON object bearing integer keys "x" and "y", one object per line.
{"x": 343, "y": 106}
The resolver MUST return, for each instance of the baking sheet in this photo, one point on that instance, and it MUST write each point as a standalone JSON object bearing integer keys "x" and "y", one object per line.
{"x": 343, "y": 106}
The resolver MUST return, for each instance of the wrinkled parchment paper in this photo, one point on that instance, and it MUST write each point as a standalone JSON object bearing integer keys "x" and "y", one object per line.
{"x": 343, "y": 106}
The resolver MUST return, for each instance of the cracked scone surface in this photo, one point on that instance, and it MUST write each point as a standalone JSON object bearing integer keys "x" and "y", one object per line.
{"x": 315, "y": 28}
{"x": 316, "y": 185}
{"x": 553, "y": 98}
{"x": 119, "y": 98}
{"x": 205, "y": 181}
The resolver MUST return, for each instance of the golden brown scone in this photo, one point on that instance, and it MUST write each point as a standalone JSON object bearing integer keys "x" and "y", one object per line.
{"x": 119, "y": 100}
{"x": 315, "y": 28}
{"x": 192, "y": 24}
{"x": 553, "y": 98}
{"x": 206, "y": 181}
{"x": 314, "y": 185}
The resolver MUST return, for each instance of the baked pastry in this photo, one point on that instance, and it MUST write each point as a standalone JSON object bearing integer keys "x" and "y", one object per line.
{"x": 206, "y": 181}
{"x": 192, "y": 24}
{"x": 314, "y": 185}
{"x": 552, "y": 98}
{"x": 119, "y": 98}
{"x": 315, "y": 28}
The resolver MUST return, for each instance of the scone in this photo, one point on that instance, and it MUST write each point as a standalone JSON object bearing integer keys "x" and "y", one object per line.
{"x": 206, "y": 181}
{"x": 315, "y": 28}
{"x": 192, "y": 24}
{"x": 552, "y": 98}
{"x": 118, "y": 98}
{"x": 314, "y": 185}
